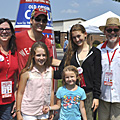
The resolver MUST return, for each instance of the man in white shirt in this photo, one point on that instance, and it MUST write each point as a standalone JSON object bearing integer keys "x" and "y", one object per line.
{"x": 109, "y": 108}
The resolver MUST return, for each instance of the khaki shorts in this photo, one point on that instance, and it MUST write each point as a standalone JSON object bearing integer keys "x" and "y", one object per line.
{"x": 108, "y": 111}
{"x": 88, "y": 105}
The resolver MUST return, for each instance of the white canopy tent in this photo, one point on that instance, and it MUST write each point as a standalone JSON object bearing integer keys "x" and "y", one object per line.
{"x": 92, "y": 25}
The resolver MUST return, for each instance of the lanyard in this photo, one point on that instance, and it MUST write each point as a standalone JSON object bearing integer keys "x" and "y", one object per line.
{"x": 112, "y": 56}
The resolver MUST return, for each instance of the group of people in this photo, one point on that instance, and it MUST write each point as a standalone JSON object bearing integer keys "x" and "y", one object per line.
{"x": 90, "y": 76}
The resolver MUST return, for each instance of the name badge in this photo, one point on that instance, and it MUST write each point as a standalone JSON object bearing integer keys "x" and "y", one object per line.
{"x": 1, "y": 58}
{"x": 108, "y": 78}
{"x": 6, "y": 89}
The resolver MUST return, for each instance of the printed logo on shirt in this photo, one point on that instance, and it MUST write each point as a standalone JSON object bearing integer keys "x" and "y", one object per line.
{"x": 25, "y": 51}
{"x": 68, "y": 102}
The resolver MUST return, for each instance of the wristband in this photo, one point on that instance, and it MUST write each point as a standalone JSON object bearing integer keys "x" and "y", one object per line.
{"x": 17, "y": 110}
{"x": 49, "y": 108}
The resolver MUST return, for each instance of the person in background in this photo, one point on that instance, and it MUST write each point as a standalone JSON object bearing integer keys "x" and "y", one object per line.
{"x": 8, "y": 70}
{"x": 95, "y": 43}
{"x": 70, "y": 97}
{"x": 109, "y": 108}
{"x": 36, "y": 85}
{"x": 65, "y": 44}
{"x": 26, "y": 39}
{"x": 88, "y": 62}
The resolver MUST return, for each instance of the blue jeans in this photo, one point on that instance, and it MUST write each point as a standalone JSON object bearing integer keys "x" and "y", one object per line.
{"x": 5, "y": 111}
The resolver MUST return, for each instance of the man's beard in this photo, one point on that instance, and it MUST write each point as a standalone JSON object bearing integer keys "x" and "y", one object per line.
{"x": 111, "y": 40}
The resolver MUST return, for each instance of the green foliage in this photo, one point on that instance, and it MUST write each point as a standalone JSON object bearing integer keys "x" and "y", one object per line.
{"x": 117, "y": 0}
{"x": 58, "y": 45}
{"x": 59, "y": 83}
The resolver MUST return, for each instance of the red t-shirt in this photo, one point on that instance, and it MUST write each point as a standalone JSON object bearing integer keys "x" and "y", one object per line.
{"x": 24, "y": 44}
{"x": 9, "y": 66}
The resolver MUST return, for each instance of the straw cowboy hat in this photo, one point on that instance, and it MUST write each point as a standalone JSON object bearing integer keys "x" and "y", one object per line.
{"x": 112, "y": 21}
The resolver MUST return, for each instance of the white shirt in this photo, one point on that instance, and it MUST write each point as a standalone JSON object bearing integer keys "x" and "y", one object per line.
{"x": 110, "y": 93}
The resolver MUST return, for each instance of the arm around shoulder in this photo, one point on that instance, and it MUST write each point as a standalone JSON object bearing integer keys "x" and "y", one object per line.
{"x": 56, "y": 62}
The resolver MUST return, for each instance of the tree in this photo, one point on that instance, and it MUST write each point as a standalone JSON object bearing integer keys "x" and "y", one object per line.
{"x": 117, "y": 0}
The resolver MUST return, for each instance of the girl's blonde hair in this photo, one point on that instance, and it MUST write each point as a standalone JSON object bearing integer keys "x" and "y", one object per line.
{"x": 72, "y": 47}
{"x": 31, "y": 62}
{"x": 70, "y": 68}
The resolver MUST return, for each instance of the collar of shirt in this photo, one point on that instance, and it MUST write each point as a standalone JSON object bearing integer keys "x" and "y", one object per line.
{"x": 36, "y": 70}
{"x": 105, "y": 45}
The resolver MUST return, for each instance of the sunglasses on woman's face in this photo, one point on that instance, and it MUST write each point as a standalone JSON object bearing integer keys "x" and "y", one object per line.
{"x": 110, "y": 30}
{"x": 39, "y": 20}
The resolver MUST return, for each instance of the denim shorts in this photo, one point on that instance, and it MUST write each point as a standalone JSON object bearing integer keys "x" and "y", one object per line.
{"x": 5, "y": 111}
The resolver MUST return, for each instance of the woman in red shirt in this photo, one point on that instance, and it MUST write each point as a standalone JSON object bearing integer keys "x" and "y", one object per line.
{"x": 8, "y": 69}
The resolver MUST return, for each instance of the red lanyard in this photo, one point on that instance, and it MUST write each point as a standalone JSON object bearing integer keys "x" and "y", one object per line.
{"x": 112, "y": 56}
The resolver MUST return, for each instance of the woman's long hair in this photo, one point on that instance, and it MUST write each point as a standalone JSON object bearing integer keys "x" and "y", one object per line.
{"x": 72, "y": 47}
{"x": 31, "y": 62}
{"x": 12, "y": 44}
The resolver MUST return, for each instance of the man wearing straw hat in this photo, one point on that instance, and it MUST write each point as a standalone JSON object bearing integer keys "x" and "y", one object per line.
{"x": 109, "y": 108}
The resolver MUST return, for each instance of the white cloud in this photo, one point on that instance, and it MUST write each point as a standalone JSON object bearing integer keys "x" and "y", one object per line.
{"x": 69, "y": 11}
{"x": 75, "y": 4}
{"x": 97, "y": 1}
{"x": 94, "y": 2}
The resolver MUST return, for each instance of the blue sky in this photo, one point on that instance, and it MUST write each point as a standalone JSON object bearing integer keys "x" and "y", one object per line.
{"x": 66, "y": 9}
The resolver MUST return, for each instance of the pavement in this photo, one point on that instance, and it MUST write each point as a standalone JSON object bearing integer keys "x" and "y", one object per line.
{"x": 59, "y": 50}
{"x": 60, "y": 53}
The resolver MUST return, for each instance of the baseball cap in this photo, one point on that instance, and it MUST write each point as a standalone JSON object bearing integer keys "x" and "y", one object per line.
{"x": 39, "y": 11}
{"x": 66, "y": 37}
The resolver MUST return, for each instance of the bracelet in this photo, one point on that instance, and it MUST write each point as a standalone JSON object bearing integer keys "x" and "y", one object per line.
{"x": 17, "y": 110}
{"x": 49, "y": 108}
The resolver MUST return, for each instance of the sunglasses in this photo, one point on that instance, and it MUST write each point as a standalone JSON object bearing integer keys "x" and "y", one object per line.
{"x": 39, "y": 20}
{"x": 110, "y": 30}
{"x": 6, "y": 29}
